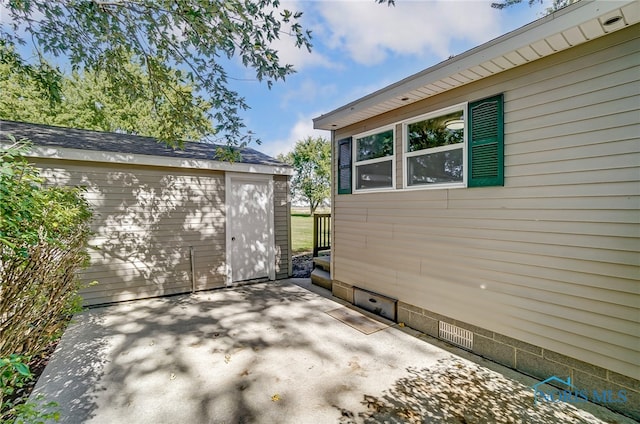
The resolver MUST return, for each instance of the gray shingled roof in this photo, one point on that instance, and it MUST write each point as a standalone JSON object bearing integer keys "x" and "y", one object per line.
{"x": 46, "y": 135}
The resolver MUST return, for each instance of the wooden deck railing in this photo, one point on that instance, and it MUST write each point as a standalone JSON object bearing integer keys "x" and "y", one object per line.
{"x": 321, "y": 232}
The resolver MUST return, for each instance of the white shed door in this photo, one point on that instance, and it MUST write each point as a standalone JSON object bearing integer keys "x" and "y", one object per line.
{"x": 250, "y": 228}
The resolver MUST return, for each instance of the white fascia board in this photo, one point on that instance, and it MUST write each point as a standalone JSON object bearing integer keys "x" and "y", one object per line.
{"x": 48, "y": 152}
{"x": 555, "y": 23}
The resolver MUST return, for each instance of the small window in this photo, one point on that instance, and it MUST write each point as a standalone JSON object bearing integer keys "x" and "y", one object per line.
{"x": 374, "y": 159}
{"x": 435, "y": 149}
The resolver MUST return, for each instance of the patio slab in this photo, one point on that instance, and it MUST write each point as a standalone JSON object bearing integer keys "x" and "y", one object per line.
{"x": 264, "y": 353}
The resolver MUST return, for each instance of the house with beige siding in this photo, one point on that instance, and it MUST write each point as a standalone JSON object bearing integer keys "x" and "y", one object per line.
{"x": 168, "y": 221}
{"x": 493, "y": 200}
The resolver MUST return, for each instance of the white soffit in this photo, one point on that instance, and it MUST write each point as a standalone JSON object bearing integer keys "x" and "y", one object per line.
{"x": 568, "y": 27}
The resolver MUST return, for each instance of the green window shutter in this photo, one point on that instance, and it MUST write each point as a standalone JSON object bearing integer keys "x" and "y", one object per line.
{"x": 486, "y": 143}
{"x": 344, "y": 166}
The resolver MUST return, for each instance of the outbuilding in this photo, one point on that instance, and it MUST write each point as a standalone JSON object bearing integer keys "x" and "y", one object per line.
{"x": 493, "y": 200}
{"x": 168, "y": 221}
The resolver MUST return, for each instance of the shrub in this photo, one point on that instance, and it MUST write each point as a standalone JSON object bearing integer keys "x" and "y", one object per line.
{"x": 43, "y": 243}
{"x": 14, "y": 375}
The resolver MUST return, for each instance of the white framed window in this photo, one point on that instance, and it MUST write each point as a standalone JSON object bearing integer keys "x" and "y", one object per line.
{"x": 374, "y": 159}
{"x": 458, "y": 146}
{"x": 435, "y": 149}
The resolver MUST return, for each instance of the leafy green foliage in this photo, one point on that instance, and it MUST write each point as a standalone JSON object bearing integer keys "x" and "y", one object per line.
{"x": 43, "y": 242}
{"x": 45, "y": 79}
{"x": 311, "y": 161}
{"x": 43, "y": 238}
{"x": 14, "y": 373}
{"x": 183, "y": 41}
{"x": 14, "y": 408}
{"x": 89, "y": 100}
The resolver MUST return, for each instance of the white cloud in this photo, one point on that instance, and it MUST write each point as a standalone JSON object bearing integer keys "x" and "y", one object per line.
{"x": 288, "y": 53}
{"x": 300, "y": 58}
{"x": 303, "y": 128}
{"x": 369, "y": 32}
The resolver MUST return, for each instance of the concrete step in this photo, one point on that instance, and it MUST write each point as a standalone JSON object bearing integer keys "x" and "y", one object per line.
{"x": 321, "y": 278}
{"x": 323, "y": 262}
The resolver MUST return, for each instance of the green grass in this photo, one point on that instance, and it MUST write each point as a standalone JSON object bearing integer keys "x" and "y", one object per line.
{"x": 301, "y": 233}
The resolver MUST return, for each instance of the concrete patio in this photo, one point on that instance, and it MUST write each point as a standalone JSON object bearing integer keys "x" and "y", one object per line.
{"x": 270, "y": 353}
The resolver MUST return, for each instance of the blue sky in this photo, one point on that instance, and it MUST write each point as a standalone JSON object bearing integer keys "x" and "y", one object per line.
{"x": 359, "y": 47}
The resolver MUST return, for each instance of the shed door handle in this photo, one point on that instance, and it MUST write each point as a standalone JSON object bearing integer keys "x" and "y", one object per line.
{"x": 233, "y": 239}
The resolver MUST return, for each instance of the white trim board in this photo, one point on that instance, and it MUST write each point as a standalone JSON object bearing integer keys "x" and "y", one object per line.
{"x": 65, "y": 153}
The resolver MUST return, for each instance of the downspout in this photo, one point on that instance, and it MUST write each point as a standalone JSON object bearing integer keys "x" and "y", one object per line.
{"x": 193, "y": 269}
{"x": 334, "y": 190}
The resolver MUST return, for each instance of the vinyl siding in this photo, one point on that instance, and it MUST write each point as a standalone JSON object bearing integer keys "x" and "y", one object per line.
{"x": 146, "y": 220}
{"x": 282, "y": 206}
{"x": 552, "y": 258}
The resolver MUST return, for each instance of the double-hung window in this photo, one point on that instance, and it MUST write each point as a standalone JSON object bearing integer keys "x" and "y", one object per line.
{"x": 374, "y": 162}
{"x": 460, "y": 146}
{"x": 435, "y": 149}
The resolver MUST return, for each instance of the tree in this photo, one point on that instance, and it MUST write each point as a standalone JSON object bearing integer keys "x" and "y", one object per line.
{"x": 311, "y": 161}
{"x": 88, "y": 100}
{"x": 183, "y": 41}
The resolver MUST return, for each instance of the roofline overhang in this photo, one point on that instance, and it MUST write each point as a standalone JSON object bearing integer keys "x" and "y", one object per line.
{"x": 574, "y": 24}
{"x": 81, "y": 155}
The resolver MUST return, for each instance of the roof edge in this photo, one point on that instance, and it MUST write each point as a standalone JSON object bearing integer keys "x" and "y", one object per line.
{"x": 110, "y": 147}
{"x": 81, "y": 155}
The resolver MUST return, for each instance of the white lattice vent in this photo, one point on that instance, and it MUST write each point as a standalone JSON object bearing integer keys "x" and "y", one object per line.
{"x": 456, "y": 335}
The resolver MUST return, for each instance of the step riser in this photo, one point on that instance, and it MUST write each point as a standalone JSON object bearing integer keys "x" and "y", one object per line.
{"x": 321, "y": 278}
{"x": 322, "y": 262}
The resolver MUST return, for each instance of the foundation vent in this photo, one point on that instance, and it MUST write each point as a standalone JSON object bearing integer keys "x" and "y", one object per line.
{"x": 456, "y": 335}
